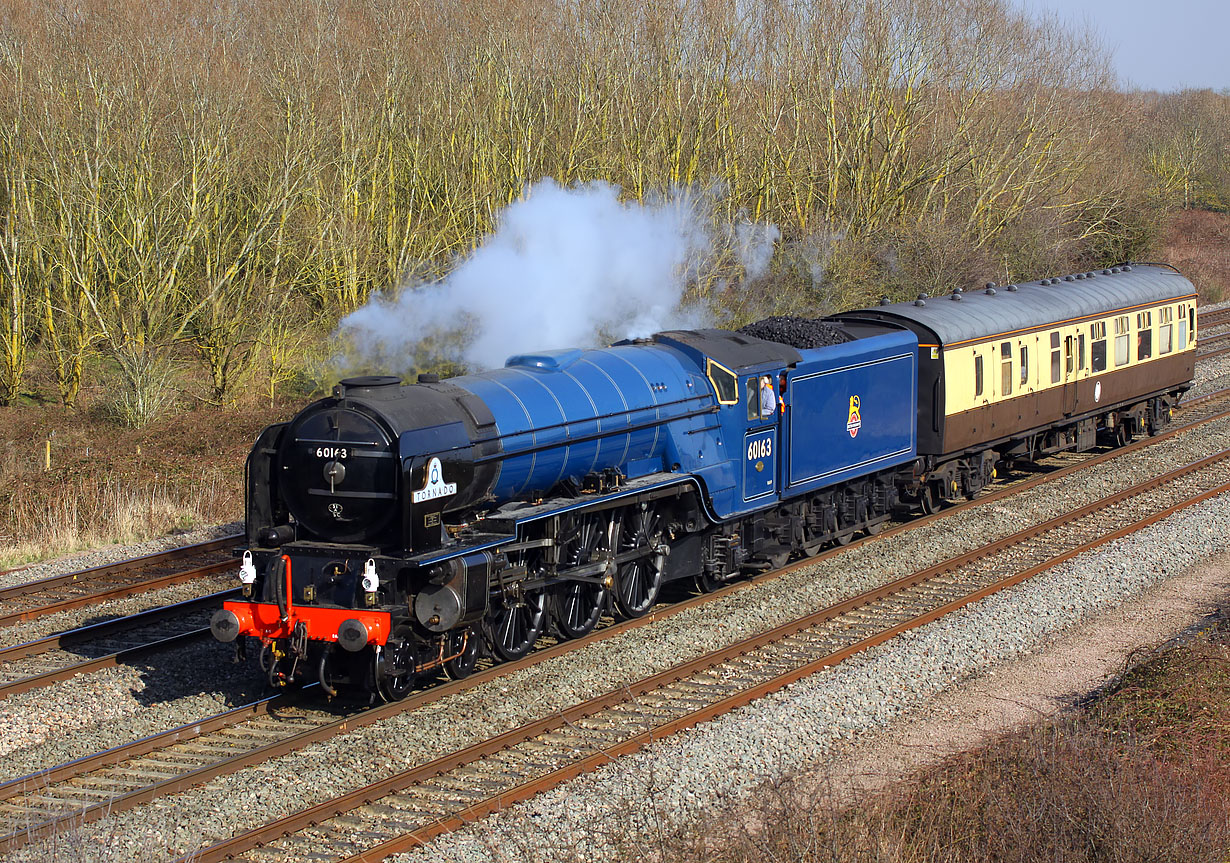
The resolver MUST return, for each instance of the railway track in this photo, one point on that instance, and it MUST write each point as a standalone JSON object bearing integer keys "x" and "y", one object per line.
{"x": 88, "y": 587}
{"x": 413, "y": 806}
{"x": 102, "y": 645}
{"x": 1212, "y": 319}
{"x": 181, "y": 758}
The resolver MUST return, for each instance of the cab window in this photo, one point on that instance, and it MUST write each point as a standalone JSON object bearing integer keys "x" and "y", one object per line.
{"x": 725, "y": 383}
{"x": 761, "y": 398}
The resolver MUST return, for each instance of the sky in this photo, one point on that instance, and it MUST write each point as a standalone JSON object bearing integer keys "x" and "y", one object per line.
{"x": 1157, "y": 44}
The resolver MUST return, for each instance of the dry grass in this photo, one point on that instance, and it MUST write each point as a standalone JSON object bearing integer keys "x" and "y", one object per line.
{"x": 114, "y": 485}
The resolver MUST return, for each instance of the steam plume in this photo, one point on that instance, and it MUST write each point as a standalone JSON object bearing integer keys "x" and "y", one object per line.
{"x": 565, "y": 267}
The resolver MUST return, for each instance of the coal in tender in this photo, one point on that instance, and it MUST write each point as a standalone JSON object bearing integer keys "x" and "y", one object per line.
{"x": 797, "y": 332}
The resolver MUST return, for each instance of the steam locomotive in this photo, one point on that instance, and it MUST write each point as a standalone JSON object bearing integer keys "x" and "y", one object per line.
{"x": 396, "y": 532}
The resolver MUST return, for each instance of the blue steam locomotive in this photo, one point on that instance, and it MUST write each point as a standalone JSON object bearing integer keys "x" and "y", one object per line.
{"x": 394, "y": 532}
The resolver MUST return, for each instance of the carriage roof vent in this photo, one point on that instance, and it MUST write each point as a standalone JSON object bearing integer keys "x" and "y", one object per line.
{"x": 885, "y": 301}
{"x": 921, "y": 301}
{"x": 956, "y": 295}
{"x": 1013, "y": 288}
{"x": 990, "y": 291}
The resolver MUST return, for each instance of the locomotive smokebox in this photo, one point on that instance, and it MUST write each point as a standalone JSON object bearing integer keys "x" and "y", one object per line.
{"x": 346, "y": 467}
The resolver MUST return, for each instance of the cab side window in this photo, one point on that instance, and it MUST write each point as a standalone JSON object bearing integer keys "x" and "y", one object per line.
{"x": 724, "y": 382}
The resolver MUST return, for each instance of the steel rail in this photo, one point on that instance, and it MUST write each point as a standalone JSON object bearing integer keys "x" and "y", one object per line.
{"x": 126, "y": 752}
{"x": 84, "y": 634}
{"x": 371, "y": 793}
{"x": 128, "y": 654}
{"x": 115, "y": 591}
{"x": 156, "y": 559}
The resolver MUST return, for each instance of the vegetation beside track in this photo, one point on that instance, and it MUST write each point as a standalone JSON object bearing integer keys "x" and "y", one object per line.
{"x": 109, "y": 484}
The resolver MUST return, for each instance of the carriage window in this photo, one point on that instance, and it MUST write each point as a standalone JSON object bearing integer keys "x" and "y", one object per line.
{"x": 1005, "y": 376}
{"x": 1097, "y": 347}
{"x": 1165, "y": 330}
{"x": 725, "y": 384}
{"x": 1144, "y": 335}
{"x": 1080, "y": 352}
{"x": 977, "y": 376}
{"x": 1055, "y": 369}
{"x": 1024, "y": 364}
{"x": 1069, "y": 356}
{"x": 1122, "y": 335}
{"x": 1182, "y": 326}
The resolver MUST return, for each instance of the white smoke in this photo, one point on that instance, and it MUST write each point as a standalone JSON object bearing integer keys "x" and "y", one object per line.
{"x": 565, "y": 267}
{"x": 754, "y": 245}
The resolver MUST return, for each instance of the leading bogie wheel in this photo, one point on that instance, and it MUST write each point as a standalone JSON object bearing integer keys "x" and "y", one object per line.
{"x": 397, "y": 665}
{"x": 462, "y": 647}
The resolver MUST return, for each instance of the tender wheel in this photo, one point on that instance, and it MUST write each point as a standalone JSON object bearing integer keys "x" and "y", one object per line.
{"x": 638, "y": 582}
{"x": 463, "y": 646}
{"x": 845, "y": 533}
{"x": 516, "y": 626}
{"x": 779, "y": 559}
{"x": 577, "y": 606}
{"x": 397, "y": 665}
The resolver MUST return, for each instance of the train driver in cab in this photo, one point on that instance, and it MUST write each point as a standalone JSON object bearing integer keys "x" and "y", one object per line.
{"x": 768, "y": 398}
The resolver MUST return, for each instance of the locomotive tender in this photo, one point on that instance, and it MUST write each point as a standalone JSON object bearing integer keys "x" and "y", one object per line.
{"x": 397, "y": 531}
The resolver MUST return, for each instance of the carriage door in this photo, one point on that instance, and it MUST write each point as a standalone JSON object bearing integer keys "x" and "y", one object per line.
{"x": 1069, "y": 374}
{"x": 760, "y": 442}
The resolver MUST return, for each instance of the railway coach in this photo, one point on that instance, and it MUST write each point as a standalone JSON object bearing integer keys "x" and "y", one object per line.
{"x": 1019, "y": 371}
